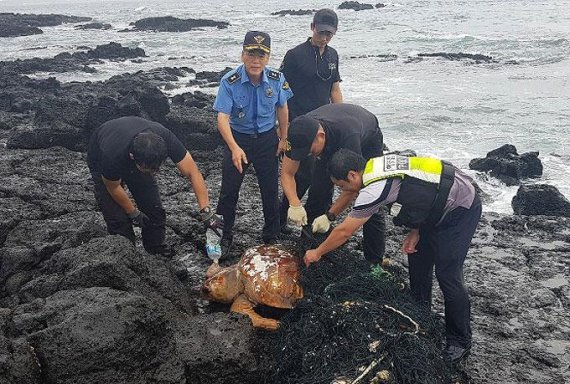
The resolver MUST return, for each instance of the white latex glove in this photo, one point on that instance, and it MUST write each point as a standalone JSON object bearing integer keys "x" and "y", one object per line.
{"x": 321, "y": 224}
{"x": 297, "y": 215}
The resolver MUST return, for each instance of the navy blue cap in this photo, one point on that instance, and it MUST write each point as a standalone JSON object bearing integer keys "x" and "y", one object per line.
{"x": 256, "y": 40}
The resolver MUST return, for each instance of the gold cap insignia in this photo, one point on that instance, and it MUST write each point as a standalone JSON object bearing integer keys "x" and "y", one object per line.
{"x": 259, "y": 39}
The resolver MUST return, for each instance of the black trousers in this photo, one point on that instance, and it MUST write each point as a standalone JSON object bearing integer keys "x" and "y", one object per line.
{"x": 260, "y": 151}
{"x": 446, "y": 246}
{"x": 144, "y": 190}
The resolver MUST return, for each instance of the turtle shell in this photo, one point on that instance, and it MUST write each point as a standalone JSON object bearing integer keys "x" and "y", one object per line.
{"x": 270, "y": 275}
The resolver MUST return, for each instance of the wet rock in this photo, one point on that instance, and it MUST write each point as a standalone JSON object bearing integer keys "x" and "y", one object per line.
{"x": 540, "y": 199}
{"x": 18, "y": 361}
{"x": 157, "y": 76}
{"x": 382, "y": 57}
{"x": 67, "y": 120}
{"x": 15, "y": 24}
{"x": 12, "y": 30}
{"x": 209, "y": 78}
{"x": 195, "y": 127}
{"x": 508, "y": 166}
{"x": 380, "y": 5}
{"x": 232, "y": 354}
{"x": 113, "y": 51}
{"x": 355, "y": 5}
{"x": 477, "y": 58}
{"x": 174, "y": 24}
{"x": 196, "y": 99}
{"x": 99, "y": 335}
{"x": 94, "y": 26}
{"x": 292, "y": 12}
{"x": 65, "y": 61}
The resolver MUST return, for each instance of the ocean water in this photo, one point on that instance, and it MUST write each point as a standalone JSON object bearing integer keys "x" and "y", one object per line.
{"x": 455, "y": 110}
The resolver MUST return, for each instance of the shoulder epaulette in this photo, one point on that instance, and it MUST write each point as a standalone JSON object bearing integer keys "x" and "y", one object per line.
{"x": 275, "y": 75}
{"x": 233, "y": 78}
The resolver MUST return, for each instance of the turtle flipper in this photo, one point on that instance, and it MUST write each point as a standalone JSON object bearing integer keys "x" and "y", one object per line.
{"x": 243, "y": 305}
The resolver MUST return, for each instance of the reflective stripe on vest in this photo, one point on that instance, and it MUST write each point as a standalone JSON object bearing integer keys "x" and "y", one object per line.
{"x": 384, "y": 167}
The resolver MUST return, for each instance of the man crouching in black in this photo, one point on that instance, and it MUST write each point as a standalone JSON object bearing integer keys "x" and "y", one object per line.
{"x": 130, "y": 150}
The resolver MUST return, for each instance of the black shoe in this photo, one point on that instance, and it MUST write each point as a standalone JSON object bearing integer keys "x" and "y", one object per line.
{"x": 163, "y": 250}
{"x": 454, "y": 353}
{"x": 226, "y": 243}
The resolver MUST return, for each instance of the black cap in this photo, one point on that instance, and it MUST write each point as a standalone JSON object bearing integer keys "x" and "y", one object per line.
{"x": 302, "y": 131}
{"x": 256, "y": 40}
{"x": 325, "y": 20}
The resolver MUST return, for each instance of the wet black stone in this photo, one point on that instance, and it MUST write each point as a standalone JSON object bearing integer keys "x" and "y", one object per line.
{"x": 174, "y": 24}
{"x": 292, "y": 12}
{"x": 540, "y": 199}
{"x": 94, "y": 26}
{"x": 355, "y": 5}
{"x": 508, "y": 166}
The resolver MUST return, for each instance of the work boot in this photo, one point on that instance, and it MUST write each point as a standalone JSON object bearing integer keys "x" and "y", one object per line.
{"x": 454, "y": 353}
{"x": 163, "y": 250}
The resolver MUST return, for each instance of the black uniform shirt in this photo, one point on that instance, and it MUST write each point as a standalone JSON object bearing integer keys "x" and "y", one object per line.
{"x": 110, "y": 145}
{"x": 349, "y": 126}
{"x": 310, "y": 77}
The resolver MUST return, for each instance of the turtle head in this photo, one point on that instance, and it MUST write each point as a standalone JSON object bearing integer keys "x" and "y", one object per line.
{"x": 224, "y": 286}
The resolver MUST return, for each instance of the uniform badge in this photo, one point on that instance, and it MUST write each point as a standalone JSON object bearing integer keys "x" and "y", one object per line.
{"x": 269, "y": 92}
{"x": 273, "y": 75}
{"x": 285, "y": 85}
{"x": 332, "y": 66}
{"x": 241, "y": 114}
{"x": 233, "y": 78}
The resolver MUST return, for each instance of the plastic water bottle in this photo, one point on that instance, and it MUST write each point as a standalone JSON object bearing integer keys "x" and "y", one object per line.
{"x": 213, "y": 246}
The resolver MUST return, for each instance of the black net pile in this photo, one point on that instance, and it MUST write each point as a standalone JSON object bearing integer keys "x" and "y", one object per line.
{"x": 358, "y": 323}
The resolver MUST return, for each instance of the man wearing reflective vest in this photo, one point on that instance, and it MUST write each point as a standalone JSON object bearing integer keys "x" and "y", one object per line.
{"x": 439, "y": 204}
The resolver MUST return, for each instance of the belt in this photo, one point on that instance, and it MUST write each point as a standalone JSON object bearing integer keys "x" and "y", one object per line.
{"x": 445, "y": 182}
{"x": 253, "y": 135}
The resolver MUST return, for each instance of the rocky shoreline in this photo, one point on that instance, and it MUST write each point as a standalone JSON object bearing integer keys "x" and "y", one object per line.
{"x": 79, "y": 306}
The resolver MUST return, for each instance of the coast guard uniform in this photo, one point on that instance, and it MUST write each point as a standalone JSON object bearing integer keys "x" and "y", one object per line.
{"x": 252, "y": 110}
{"x": 440, "y": 200}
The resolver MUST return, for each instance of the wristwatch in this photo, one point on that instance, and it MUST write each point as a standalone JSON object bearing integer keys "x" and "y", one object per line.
{"x": 331, "y": 216}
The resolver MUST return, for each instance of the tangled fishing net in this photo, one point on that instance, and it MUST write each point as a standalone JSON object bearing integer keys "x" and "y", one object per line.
{"x": 358, "y": 325}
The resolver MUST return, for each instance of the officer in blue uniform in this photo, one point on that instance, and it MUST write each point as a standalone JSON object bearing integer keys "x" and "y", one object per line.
{"x": 249, "y": 101}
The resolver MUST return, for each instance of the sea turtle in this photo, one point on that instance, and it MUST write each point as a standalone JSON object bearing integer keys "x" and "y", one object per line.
{"x": 265, "y": 274}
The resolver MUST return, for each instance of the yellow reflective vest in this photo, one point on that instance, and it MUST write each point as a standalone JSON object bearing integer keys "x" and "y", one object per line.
{"x": 424, "y": 189}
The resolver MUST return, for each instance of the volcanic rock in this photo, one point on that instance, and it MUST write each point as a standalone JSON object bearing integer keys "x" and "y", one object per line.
{"x": 15, "y": 24}
{"x": 94, "y": 26}
{"x": 355, "y": 5}
{"x": 477, "y": 58}
{"x": 174, "y": 24}
{"x": 66, "y": 117}
{"x": 540, "y": 199}
{"x": 508, "y": 166}
{"x": 209, "y": 78}
{"x": 292, "y": 12}
{"x": 65, "y": 62}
